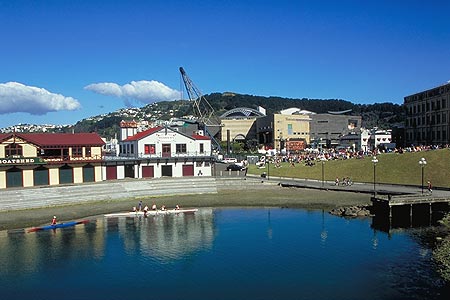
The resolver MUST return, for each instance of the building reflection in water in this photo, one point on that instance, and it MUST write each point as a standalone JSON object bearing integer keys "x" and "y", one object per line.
{"x": 165, "y": 237}
{"x": 162, "y": 237}
{"x": 22, "y": 252}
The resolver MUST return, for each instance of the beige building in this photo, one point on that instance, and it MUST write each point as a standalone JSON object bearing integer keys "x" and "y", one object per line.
{"x": 240, "y": 124}
{"x": 289, "y": 129}
{"x": 36, "y": 159}
{"x": 428, "y": 117}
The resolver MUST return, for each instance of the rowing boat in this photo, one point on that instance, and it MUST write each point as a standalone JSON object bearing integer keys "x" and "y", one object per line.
{"x": 59, "y": 225}
{"x": 152, "y": 212}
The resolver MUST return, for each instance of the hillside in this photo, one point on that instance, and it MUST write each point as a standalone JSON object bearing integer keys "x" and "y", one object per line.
{"x": 383, "y": 115}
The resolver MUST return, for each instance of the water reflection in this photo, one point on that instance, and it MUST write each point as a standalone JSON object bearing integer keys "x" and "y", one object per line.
{"x": 243, "y": 253}
{"x": 165, "y": 237}
{"x": 162, "y": 237}
{"x": 403, "y": 218}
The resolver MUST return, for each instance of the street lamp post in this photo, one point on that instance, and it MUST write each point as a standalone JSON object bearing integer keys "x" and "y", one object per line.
{"x": 323, "y": 163}
{"x": 374, "y": 161}
{"x": 422, "y": 163}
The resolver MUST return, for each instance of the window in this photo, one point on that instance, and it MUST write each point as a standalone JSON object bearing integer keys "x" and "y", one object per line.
{"x": 166, "y": 151}
{"x": 198, "y": 164}
{"x": 149, "y": 149}
{"x": 88, "y": 151}
{"x": 77, "y": 151}
{"x": 180, "y": 148}
{"x": 202, "y": 148}
{"x": 13, "y": 149}
{"x": 289, "y": 129}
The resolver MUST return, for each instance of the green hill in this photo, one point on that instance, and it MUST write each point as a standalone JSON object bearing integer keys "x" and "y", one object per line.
{"x": 382, "y": 115}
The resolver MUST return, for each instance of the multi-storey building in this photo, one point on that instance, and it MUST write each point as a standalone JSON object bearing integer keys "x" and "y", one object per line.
{"x": 289, "y": 130}
{"x": 34, "y": 159}
{"x": 427, "y": 117}
{"x": 159, "y": 152}
{"x": 328, "y": 129}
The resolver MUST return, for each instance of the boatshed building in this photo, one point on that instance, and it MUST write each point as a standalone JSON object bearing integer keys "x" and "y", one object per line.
{"x": 159, "y": 152}
{"x": 36, "y": 159}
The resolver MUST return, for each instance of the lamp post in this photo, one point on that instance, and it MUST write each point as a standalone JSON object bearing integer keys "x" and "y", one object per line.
{"x": 323, "y": 159}
{"x": 422, "y": 164}
{"x": 374, "y": 161}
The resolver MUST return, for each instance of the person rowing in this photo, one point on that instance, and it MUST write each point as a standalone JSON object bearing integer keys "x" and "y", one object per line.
{"x": 154, "y": 206}
{"x": 177, "y": 207}
{"x": 54, "y": 221}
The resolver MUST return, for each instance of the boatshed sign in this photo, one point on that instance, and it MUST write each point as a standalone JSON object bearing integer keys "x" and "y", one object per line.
{"x": 21, "y": 161}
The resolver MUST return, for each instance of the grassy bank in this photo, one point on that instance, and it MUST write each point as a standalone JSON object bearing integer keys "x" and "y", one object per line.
{"x": 262, "y": 196}
{"x": 391, "y": 168}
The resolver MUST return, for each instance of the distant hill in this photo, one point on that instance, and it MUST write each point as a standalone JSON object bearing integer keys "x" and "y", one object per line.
{"x": 382, "y": 115}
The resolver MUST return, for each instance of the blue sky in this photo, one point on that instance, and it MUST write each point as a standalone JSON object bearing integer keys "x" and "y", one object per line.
{"x": 62, "y": 61}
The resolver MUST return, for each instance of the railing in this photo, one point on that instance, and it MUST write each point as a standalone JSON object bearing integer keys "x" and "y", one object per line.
{"x": 167, "y": 154}
{"x": 66, "y": 159}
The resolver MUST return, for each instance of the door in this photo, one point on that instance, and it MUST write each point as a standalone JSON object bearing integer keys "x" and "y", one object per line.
{"x": 40, "y": 176}
{"x": 166, "y": 170}
{"x": 14, "y": 177}
{"x": 88, "y": 173}
{"x": 129, "y": 171}
{"x": 65, "y": 174}
{"x": 166, "y": 150}
{"x": 111, "y": 172}
{"x": 148, "y": 172}
{"x": 188, "y": 170}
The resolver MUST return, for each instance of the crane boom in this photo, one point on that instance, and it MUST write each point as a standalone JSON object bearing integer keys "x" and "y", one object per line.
{"x": 203, "y": 110}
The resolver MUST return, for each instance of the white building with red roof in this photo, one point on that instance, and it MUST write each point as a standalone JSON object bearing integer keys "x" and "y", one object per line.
{"x": 34, "y": 159}
{"x": 159, "y": 152}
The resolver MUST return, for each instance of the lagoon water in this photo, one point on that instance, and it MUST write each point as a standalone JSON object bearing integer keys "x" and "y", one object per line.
{"x": 219, "y": 254}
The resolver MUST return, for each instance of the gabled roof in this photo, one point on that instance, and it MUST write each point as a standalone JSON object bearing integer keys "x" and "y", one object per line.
{"x": 143, "y": 134}
{"x": 57, "y": 139}
{"x": 140, "y": 135}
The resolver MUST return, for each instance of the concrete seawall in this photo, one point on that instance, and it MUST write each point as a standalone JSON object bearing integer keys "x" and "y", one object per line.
{"x": 36, "y": 197}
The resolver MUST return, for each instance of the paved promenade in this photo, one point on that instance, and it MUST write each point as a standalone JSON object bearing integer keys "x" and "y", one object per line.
{"x": 28, "y": 198}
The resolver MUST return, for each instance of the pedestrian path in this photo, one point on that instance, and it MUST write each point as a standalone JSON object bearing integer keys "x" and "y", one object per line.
{"x": 28, "y": 198}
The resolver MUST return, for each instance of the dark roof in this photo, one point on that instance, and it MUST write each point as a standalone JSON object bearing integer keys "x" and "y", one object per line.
{"x": 58, "y": 139}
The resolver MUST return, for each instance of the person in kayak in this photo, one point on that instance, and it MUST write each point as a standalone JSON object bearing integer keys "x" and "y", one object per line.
{"x": 54, "y": 221}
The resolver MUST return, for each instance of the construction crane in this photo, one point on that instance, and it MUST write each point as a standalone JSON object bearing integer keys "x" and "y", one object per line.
{"x": 205, "y": 115}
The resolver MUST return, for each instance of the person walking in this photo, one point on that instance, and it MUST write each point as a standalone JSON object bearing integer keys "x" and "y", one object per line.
{"x": 430, "y": 188}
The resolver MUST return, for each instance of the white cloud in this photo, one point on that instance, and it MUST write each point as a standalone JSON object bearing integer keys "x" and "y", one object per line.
{"x": 16, "y": 97}
{"x": 143, "y": 91}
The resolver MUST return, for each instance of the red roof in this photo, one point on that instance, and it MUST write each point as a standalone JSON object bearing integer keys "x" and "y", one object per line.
{"x": 142, "y": 134}
{"x": 58, "y": 139}
{"x": 200, "y": 137}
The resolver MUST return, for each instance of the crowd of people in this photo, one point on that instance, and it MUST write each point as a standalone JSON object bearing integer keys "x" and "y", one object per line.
{"x": 309, "y": 158}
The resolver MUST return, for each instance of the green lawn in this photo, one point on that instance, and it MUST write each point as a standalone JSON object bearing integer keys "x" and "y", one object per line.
{"x": 391, "y": 168}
